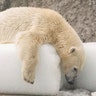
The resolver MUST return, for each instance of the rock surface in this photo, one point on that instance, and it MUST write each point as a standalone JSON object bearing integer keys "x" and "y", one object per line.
{"x": 81, "y": 14}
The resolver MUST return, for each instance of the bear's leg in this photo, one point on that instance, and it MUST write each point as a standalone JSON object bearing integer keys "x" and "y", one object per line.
{"x": 27, "y": 44}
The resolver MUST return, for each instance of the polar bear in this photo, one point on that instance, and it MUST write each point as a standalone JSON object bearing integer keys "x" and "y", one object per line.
{"x": 31, "y": 27}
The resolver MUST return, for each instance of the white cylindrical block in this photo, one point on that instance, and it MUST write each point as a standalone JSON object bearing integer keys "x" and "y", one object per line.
{"x": 47, "y": 71}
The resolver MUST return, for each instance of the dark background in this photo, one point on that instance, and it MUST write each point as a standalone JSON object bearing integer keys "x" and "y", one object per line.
{"x": 81, "y": 14}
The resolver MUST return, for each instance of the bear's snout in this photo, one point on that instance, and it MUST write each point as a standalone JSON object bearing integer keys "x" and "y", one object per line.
{"x": 69, "y": 80}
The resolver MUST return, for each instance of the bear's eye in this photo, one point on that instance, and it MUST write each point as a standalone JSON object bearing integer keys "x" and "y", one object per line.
{"x": 72, "y": 50}
{"x": 75, "y": 69}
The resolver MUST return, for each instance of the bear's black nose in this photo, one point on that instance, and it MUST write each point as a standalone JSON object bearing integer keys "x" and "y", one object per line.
{"x": 69, "y": 80}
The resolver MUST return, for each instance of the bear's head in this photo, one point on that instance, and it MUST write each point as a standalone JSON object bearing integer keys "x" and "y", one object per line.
{"x": 73, "y": 63}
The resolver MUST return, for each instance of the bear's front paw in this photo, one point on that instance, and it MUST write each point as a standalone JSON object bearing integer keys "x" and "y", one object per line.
{"x": 29, "y": 76}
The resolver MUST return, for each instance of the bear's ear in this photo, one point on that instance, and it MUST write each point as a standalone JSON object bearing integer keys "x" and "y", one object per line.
{"x": 72, "y": 50}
